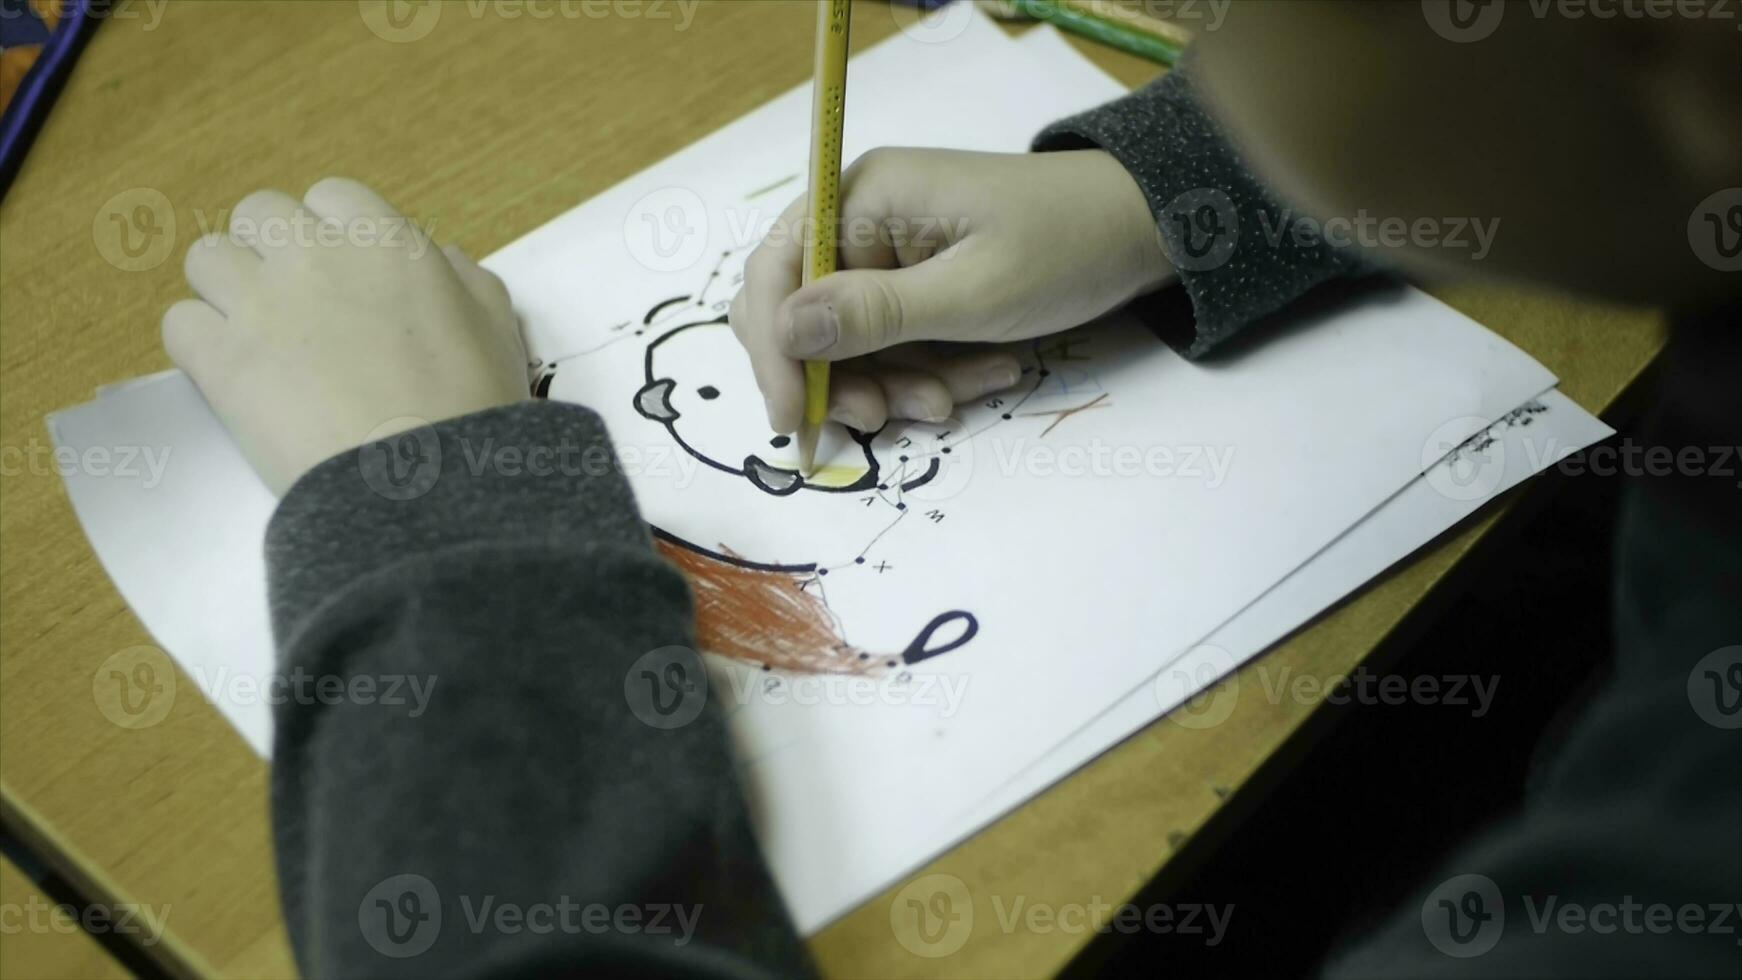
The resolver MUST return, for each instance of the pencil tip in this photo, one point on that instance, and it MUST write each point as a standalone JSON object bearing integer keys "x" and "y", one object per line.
{"x": 807, "y": 449}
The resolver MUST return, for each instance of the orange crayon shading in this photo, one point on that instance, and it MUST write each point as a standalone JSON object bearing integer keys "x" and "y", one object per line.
{"x": 765, "y": 618}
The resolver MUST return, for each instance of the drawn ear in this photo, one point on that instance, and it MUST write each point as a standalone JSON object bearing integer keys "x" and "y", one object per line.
{"x": 654, "y": 401}
{"x": 772, "y": 479}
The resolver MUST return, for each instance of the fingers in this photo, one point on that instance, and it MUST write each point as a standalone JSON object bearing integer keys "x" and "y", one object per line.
{"x": 916, "y": 395}
{"x": 770, "y": 275}
{"x": 780, "y": 377}
{"x": 194, "y": 334}
{"x": 857, "y": 401}
{"x": 905, "y": 279}
{"x": 221, "y": 271}
{"x": 266, "y": 222}
{"x": 343, "y": 199}
{"x": 862, "y": 311}
{"x": 773, "y": 272}
{"x": 969, "y": 375}
{"x": 914, "y": 383}
{"x": 864, "y": 246}
{"x": 348, "y": 210}
{"x": 271, "y": 222}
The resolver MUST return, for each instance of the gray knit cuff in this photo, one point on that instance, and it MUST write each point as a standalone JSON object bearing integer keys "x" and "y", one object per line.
{"x": 1228, "y": 239}
{"x": 530, "y": 472}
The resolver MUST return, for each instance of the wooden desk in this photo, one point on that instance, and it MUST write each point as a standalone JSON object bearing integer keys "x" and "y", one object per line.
{"x": 483, "y": 129}
{"x": 42, "y": 943}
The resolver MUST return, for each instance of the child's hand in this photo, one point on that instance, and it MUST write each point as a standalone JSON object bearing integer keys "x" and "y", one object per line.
{"x": 944, "y": 245}
{"x": 325, "y": 323}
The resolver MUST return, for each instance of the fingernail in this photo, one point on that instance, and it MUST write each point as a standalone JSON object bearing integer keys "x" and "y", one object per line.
{"x": 919, "y": 410}
{"x": 1002, "y": 378}
{"x": 813, "y": 330}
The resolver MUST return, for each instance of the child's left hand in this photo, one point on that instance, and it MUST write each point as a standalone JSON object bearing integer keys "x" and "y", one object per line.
{"x": 330, "y": 322}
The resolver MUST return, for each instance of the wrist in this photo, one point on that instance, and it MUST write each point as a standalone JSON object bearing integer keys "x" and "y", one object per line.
{"x": 1133, "y": 230}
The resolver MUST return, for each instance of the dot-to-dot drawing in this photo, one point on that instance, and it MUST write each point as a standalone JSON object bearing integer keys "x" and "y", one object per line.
{"x": 772, "y": 610}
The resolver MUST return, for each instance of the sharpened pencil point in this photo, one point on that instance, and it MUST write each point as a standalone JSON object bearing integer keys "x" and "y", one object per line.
{"x": 808, "y": 436}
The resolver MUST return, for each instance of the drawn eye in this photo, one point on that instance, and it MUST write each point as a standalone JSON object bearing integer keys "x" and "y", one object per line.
{"x": 780, "y": 442}
{"x": 708, "y": 392}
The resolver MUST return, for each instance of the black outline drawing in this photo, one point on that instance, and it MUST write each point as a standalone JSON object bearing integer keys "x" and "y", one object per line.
{"x": 914, "y": 468}
{"x": 653, "y": 402}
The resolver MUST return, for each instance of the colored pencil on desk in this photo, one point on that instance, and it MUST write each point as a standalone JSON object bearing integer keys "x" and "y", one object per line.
{"x": 1128, "y": 30}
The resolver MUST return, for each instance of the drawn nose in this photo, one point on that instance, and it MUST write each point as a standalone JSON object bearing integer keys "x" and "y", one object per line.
{"x": 772, "y": 479}
{"x": 654, "y": 401}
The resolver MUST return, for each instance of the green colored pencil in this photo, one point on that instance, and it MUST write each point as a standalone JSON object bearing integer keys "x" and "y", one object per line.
{"x": 1125, "y": 37}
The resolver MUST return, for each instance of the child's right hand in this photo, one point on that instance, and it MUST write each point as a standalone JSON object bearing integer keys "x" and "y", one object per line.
{"x": 944, "y": 245}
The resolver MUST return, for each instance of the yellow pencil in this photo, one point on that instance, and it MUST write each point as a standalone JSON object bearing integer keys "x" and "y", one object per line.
{"x": 828, "y": 122}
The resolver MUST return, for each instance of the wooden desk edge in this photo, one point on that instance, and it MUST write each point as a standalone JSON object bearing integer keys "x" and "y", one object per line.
{"x": 171, "y": 952}
{"x": 35, "y": 951}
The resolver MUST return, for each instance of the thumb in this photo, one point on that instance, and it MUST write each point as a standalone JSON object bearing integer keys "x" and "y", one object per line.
{"x": 858, "y": 312}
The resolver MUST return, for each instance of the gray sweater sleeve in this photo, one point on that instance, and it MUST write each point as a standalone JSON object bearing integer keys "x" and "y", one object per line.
{"x": 496, "y": 755}
{"x": 1232, "y": 243}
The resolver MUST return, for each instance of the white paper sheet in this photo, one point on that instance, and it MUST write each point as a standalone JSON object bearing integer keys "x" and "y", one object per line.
{"x": 1080, "y": 586}
{"x": 1525, "y": 442}
{"x": 1093, "y": 535}
{"x": 184, "y": 546}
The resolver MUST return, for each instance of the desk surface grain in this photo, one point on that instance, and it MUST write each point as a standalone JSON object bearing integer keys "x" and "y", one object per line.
{"x": 46, "y": 941}
{"x": 484, "y": 127}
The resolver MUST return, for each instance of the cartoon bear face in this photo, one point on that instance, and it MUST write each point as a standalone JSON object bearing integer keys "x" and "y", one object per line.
{"x": 699, "y": 385}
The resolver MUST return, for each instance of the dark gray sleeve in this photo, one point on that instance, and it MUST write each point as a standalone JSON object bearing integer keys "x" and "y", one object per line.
{"x": 1235, "y": 247}
{"x": 1626, "y": 862}
{"x": 489, "y": 759}
{"x": 1625, "y": 859}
